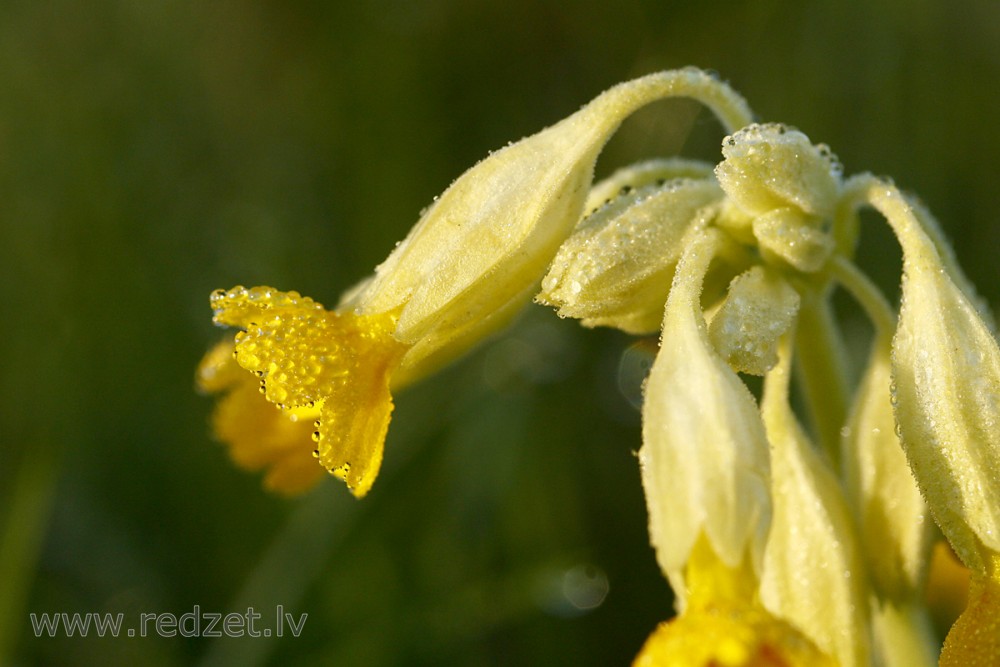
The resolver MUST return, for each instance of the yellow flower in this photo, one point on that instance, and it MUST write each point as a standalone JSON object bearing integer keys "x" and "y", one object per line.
{"x": 725, "y": 625}
{"x": 472, "y": 261}
{"x": 304, "y": 356}
{"x": 258, "y": 436}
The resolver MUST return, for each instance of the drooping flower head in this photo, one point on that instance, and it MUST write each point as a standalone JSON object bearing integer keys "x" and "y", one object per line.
{"x": 838, "y": 543}
{"x": 794, "y": 522}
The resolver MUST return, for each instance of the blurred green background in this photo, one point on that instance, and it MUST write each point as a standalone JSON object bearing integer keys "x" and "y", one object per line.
{"x": 153, "y": 150}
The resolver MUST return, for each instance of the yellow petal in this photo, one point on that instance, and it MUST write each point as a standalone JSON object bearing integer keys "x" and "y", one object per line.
{"x": 729, "y": 637}
{"x": 974, "y": 640}
{"x": 257, "y": 434}
{"x": 308, "y": 358}
{"x": 724, "y": 624}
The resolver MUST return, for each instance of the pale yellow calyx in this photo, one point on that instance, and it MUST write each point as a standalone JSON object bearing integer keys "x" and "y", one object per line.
{"x": 477, "y": 254}
{"x": 903, "y": 634}
{"x": 759, "y": 308}
{"x": 946, "y": 374}
{"x": 887, "y": 503}
{"x": 704, "y": 456}
{"x": 308, "y": 358}
{"x": 617, "y": 266}
{"x": 812, "y": 575}
{"x": 724, "y": 624}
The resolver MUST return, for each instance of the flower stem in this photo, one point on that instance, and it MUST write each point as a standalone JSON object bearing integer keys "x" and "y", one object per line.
{"x": 868, "y": 296}
{"x": 822, "y": 365}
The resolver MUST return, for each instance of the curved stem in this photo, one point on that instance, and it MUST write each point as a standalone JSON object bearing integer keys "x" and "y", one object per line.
{"x": 846, "y": 224}
{"x": 886, "y": 198}
{"x": 728, "y": 105}
{"x": 916, "y": 229}
{"x": 913, "y": 226}
{"x": 774, "y": 405}
{"x": 868, "y": 296}
{"x": 701, "y": 245}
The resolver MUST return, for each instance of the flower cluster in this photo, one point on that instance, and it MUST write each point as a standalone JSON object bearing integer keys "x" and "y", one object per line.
{"x": 785, "y": 545}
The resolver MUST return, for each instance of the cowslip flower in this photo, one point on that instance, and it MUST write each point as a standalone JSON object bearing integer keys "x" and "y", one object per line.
{"x": 471, "y": 262}
{"x": 793, "y": 531}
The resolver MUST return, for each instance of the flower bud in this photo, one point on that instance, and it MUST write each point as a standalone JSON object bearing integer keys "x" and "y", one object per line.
{"x": 772, "y": 166}
{"x": 758, "y": 310}
{"x": 789, "y": 235}
{"x": 946, "y": 373}
{"x": 705, "y": 455}
{"x": 656, "y": 171}
{"x": 946, "y": 384}
{"x": 616, "y": 268}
